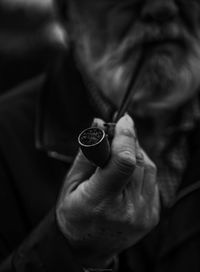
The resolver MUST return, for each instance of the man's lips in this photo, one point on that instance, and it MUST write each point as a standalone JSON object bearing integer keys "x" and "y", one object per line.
{"x": 161, "y": 42}
{"x": 152, "y": 37}
{"x": 146, "y": 47}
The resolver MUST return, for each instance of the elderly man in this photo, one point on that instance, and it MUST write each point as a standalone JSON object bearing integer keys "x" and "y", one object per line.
{"x": 138, "y": 212}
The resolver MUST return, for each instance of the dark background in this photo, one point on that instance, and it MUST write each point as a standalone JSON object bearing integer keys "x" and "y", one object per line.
{"x": 30, "y": 36}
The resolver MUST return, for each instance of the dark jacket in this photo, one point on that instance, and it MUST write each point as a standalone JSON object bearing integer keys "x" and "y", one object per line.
{"x": 38, "y": 133}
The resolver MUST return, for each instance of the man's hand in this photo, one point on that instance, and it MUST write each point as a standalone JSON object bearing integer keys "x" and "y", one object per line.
{"x": 104, "y": 211}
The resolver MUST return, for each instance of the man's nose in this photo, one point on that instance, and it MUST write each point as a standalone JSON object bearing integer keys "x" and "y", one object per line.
{"x": 159, "y": 10}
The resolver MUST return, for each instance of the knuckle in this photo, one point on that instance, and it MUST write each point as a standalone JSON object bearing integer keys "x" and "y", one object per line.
{"x": 129, "y": 132}
{"x": 125, "y": 161}
{"x": 148, "y": 217}
{"x": 152, "y": 219}
{"x": 140, "y": 157}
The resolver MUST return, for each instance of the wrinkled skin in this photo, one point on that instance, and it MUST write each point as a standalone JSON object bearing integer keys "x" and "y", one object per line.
{"x": 110, "y": 36}
{"x": 104, "y": 211}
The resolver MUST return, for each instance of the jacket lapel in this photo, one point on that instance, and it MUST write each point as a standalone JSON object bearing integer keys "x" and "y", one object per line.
{"x": 182, "y": 220}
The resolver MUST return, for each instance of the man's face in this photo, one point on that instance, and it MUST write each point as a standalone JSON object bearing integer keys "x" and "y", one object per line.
{"x": 110, "y": 36}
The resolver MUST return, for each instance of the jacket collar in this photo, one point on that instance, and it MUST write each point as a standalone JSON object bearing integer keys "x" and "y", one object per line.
{"x": 63, "y": 110}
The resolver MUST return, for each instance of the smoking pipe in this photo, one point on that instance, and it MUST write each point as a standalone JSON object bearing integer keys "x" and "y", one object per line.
{"x": 95, "y": 142}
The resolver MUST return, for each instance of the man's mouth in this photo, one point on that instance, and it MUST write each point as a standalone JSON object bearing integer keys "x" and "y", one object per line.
{"x": 160, "y": 46}
{"x": 163, "y": 44}
{"x": 155, "y": 37}
{"x": 163, "y": 41}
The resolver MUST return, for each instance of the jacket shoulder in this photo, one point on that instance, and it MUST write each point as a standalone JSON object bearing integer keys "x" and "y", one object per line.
{"x": 23, "y": 93}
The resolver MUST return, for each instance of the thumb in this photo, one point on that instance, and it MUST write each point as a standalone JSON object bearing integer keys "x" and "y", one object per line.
{"x": 114, "y": 177}
{"x": 82, "y": 169}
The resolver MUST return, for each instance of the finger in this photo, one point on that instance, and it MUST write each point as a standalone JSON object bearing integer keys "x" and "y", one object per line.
{"x": 80, "y": 171}
{"x": 150, "y": 177}
{"x": 136, "y": 181}
{"x": 139, "y": 154}
{"x": 82, "y": 168}
{"x": 138, "y": 175}
{"x": 117, "y": 172}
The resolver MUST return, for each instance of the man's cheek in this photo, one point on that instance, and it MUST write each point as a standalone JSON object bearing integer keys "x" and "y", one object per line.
{"x": 118, "y": 23}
